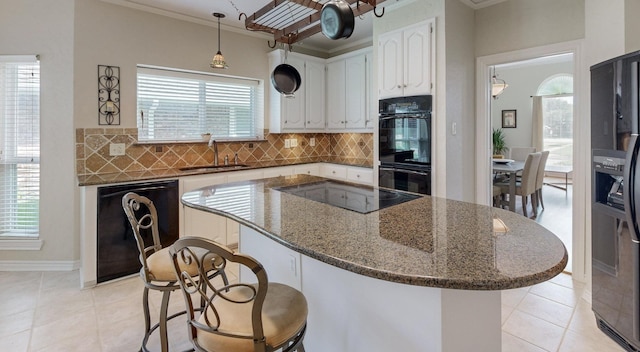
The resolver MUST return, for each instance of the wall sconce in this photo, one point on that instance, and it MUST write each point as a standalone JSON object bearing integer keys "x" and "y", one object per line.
{"x": 108, "y": 95}
{"x": 218, "y": 59}
{"x": 497, "y": 85}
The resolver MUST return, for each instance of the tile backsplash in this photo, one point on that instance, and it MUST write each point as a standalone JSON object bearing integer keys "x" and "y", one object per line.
{"x": 92, "y": 150}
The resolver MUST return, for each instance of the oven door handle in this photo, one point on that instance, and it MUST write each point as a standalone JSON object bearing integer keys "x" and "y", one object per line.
{"x": 408, "y": 116}
{"x": 404, "y": 171}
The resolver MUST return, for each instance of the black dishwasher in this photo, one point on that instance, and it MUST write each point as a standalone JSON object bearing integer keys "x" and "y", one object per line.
{"x": 117, "y": 250}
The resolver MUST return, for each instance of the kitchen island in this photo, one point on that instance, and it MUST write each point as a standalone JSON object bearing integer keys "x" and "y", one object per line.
{"x": 422, "y": 275}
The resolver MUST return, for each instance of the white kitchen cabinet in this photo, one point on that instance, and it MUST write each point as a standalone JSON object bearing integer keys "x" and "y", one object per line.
{"x": 315, "y": 95}
{"x": 307, "y": 169}
{"x": 360, "y": 175}
{"x": 278, "y": 171}
{"x": 304, "y": 112}
{"x": 245, "y": 175}
{"x": 336, "y": 100}
{"x": 200, "y": 223}
{"x": 404, "y": 61}
{"x": 348, "y": 93}
{"x": 338, "y": 172}
{"x": 355, "y": 174}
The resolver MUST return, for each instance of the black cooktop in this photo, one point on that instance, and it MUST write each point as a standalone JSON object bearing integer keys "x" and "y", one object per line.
{"x": 359, "y": 198}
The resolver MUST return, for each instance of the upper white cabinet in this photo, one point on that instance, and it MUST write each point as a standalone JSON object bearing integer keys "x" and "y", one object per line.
{"x": 304, "y": 112}
{"x": 348, "y": 92}
{"x": 315, "y": 99}
{"x": 404, "y": 61}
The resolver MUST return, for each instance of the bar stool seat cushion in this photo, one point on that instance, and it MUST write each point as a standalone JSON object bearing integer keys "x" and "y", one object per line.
{"x": 161, "y": 266}
{"x": 284, "y": 313}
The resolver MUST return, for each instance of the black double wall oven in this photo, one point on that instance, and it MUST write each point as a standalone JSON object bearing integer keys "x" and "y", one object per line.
{"x": 405, "y": 143}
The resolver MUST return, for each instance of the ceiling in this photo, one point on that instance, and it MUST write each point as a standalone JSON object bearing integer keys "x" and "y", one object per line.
{"x": 200, "y": 11}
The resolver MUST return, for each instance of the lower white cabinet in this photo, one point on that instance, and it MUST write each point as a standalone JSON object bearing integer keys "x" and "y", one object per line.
{"x": 307, "y": 169}
{"x": 200, "y": 223}
{"x": 278, "y": 171}
{"x": 348, "y": 173}
{"x": 338, "y": 172}
{"x": 360, "y": 175}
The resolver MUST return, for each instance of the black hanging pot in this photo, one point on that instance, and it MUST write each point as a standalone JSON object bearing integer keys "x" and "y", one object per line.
{"x": 286, "y": 79}
{"x": 337, "y": 20}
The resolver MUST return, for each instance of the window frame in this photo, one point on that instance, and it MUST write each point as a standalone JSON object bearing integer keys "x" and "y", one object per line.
{"x": 16, "y": 236}
{"x": 204, "y": 113}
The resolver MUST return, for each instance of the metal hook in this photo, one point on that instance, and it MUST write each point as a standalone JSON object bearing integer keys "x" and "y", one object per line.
{"x": 240, "y": 16}
{"x": 274, "y": 44}
{"x": 375, "y": 13}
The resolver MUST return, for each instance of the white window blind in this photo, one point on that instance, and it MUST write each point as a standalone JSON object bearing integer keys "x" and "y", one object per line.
{"x": 19, "y": 146}
{"x": 182, "y": 105}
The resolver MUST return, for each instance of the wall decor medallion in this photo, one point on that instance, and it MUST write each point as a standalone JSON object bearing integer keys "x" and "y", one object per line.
{"x": 108, "y": 95}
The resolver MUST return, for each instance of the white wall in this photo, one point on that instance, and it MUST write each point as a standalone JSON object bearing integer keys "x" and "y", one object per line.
{"x": 107, "y": 34}
{"x": 523, "y": 83}
{"x": 519, "y": 24}
{"x": 460, "y": 101}
{"x": 632, "y": 25}
{"x": 46, "y": 28}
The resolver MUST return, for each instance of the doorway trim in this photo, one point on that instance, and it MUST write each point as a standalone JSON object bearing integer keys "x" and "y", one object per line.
{"x": 581, "y": 141}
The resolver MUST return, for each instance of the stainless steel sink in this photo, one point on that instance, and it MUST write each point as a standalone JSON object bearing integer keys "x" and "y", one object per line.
{"x": 211, "y": 168}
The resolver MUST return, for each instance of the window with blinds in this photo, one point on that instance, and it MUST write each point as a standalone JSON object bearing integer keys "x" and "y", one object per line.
{"x": 182, "y": 105}
{"x": 19, "y": 146}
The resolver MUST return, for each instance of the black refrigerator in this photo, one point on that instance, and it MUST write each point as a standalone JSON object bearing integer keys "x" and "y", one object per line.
{"x": 615, "y": 217}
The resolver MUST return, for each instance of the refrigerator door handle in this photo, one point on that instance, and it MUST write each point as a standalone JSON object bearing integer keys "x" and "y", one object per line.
{"x": 630, "y": 173}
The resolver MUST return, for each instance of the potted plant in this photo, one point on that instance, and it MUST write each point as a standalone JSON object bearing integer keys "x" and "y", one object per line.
{"x": 499, "y": 144}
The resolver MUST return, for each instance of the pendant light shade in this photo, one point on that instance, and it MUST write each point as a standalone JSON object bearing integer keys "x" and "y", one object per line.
{"x": 497, "y": 85}
{"x": 218, "y": 59}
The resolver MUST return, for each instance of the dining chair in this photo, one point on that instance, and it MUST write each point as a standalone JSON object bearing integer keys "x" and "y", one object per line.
{"x": 526, "y": 186}
{"x": 497, "y": 196}
{"x": 157, "y": 270}
{"x": 520, "y": 153}
{"x": 540, "y": 178}
{"x": 254, "y": 315}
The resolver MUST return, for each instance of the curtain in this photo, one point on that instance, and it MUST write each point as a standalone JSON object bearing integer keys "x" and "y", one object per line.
{"x": 537, "y": 123}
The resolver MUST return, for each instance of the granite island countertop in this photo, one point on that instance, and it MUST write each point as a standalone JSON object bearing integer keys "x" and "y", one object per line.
{"x": 427, "y": 241}
{"x": 134, "y": 176}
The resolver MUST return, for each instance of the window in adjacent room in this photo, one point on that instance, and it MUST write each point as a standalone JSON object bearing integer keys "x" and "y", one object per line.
{"x": 557, "y": 112}
{"x": 176, "y": 105}
{"x": 19, "y": 146}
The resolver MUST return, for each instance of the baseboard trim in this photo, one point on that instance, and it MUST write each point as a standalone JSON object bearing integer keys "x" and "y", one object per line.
{"x": 38, "y": 265}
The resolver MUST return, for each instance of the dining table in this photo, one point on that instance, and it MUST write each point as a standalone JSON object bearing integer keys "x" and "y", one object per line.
{"x": 510, "y": 168}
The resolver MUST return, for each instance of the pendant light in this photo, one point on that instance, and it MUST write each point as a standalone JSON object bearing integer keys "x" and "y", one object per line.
{"x": 497, "y": 85}
{"x": 218, "y": 59}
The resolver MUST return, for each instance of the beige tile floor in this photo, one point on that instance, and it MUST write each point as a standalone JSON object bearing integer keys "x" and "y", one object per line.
{"x": 45, "y": 311}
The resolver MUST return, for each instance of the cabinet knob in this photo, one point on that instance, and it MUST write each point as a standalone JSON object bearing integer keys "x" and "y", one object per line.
{"x": 333, "y": 172}
{"x": 358, "y": 176}
{"x": 405, "y": 86}
{"x": 399, "y": 86}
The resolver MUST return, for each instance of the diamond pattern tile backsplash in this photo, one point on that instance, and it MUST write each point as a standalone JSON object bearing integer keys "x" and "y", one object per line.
{"x": 93, "y": 157}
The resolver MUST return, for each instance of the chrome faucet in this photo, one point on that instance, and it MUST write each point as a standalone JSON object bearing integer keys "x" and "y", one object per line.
{"x": 215, "y": 150}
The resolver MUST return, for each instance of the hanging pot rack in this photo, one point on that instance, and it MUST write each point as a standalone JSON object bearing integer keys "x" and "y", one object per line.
{"x": 293, "y": 20}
